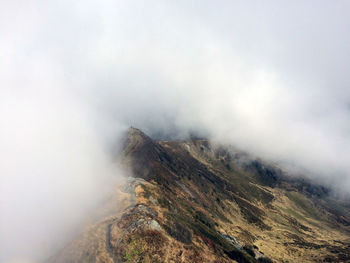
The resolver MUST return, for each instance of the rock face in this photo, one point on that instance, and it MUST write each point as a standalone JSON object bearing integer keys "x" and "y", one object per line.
{"x": 190, "y": 201}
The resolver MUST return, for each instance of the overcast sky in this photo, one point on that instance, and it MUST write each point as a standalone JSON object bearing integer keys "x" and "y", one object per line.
{"x": 271, "y": 77}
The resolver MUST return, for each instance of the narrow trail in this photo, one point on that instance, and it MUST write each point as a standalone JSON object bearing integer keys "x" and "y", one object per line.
{"x": 130, "y": 189}
{"x": 108, "y": 244}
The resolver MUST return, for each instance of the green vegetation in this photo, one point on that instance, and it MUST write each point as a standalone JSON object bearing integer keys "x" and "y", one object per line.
{"x": 249, "y": 250}
{"x": 179, "y": 231}
{"x": 147, "y": 192}
{"x": 134, "y": 249}
{"x": 304, "y": 203}
{"x": 240, "y": 256}
{"x": 146, "y": 246}
{"x": 264, "y": 260}
{"x": 200, "y": 216}
{"x": 164, "y": 202}
{"x": 252, "y": 213}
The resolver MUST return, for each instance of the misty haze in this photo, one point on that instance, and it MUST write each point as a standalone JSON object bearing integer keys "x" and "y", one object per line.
{"x": 174, "y": 131}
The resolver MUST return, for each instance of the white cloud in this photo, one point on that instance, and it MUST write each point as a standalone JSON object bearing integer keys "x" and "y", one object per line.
{"x": 269, "y": 77}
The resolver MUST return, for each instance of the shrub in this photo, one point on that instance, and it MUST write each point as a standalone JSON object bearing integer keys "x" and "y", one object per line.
{"x": 264, "y": 260}
{"x": 249, "y": 250}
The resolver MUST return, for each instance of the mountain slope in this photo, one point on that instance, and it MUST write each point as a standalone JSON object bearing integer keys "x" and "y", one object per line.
{"x": 190, "y": 201}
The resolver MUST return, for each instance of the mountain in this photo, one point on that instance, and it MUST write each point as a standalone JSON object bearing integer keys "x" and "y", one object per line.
{"x": 193, "y": 201}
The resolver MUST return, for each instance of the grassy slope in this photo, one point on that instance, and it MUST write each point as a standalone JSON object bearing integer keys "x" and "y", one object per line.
{"x": 211, "y": 207}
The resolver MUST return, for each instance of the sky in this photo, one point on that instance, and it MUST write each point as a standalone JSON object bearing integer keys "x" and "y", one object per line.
{"x": 270, "y": 77}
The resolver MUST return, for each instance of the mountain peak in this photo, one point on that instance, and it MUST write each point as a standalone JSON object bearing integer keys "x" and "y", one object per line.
{"x": 134, "y": 131}
{"x": 134, "y": 139}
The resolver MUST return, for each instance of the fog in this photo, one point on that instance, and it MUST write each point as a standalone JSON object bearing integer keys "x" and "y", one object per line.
{"x": 269, "y": 77}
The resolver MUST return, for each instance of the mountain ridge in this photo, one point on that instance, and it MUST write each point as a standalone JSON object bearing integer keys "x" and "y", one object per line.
{"x": 191, "y": 201}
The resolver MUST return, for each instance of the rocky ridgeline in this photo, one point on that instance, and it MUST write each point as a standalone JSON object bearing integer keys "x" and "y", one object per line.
{"x": 192, "y": 201}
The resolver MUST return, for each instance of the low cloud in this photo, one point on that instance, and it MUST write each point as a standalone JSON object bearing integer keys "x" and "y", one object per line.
{"x": 54, "y": 170}
{"x": 270, "y": 78}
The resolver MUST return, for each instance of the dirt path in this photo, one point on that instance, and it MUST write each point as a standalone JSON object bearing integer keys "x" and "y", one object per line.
{"x": 130, "y": 189}
{"x": 109, "y": 248}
